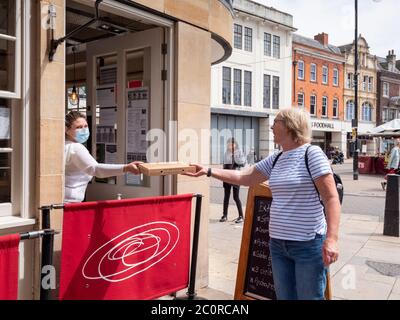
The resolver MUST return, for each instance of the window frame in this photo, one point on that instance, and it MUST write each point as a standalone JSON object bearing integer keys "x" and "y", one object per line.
{"x": 302, "y": 69}
{"x": 267, "y": 92}
{"x": 325, "y": 75}
{"x": 275, "y": 92}
{"x": 370, "y": 84}
{"x": 248, "y": 39}
{"x": 350, "y": 112}
{"x": 335, "y": 80}
{"x": 267, "y": 44}
{"x": 276, "y": 47}
{"x": 335, "y": 109}
{"x": 314, "y": 113}
{"x": 237, "y": 36}
{"x": 313, "y": 73}
{"x": 227, "y": 88}
{"x": 385, "y": 89}
{"x": 20, "y": 110}
{"x": 237, "y": 87}
{"x": 366, "y": 112}
{"x": 16, "y": 94}
{"x": 300, "y": 94}
{"x": 324, "y": 98}
{"x": 246, "y": 85}
{"x": 350, "y": 81}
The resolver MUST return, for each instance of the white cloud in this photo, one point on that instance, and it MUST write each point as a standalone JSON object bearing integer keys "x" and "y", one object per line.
{"x": 377, "y": 21}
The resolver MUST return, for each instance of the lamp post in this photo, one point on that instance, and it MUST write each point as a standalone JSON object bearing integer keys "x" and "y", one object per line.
{"x": 355, "y": 120}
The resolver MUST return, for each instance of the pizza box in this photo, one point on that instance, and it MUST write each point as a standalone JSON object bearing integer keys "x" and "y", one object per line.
{"x": 165, "y": 168}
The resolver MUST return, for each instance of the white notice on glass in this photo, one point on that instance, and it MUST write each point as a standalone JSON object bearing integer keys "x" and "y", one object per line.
{"x": 4, "y": 123}
{"x": 137, "y": 119}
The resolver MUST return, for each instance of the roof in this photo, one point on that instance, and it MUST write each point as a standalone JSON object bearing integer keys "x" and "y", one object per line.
{"x": 315, "y": 44}
{"x": 383, "y": 65}
{"x": 388, "y": 127}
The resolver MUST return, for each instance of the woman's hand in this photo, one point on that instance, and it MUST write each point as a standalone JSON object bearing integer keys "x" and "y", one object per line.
{"x": 330, "y": 251}
{"x": 200, "y": 171}
{"x": 133, "y": 167}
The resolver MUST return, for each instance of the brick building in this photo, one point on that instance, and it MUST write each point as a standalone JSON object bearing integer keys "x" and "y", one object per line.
{"x": 388, "y": 90}
{"x": 318, "y": 82}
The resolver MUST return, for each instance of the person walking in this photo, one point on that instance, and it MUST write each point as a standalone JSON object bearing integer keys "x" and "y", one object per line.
{"x": 393, "y": 163}
{"x": 303, "y": 231}
{"x": 233, "y": 160}
{"x": 80, "y": 166}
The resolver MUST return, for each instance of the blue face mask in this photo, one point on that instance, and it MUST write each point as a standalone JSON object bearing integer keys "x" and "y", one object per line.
{"x": 81, "y": 135}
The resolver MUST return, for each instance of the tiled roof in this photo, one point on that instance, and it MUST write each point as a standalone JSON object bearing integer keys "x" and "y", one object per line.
{"x": 315, "y": 44}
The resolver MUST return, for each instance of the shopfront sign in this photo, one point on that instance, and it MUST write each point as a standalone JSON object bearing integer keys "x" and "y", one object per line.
{"x": 323, "y": 126}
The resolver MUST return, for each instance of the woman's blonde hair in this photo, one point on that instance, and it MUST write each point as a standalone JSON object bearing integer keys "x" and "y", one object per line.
{"x": 298, "y": 123}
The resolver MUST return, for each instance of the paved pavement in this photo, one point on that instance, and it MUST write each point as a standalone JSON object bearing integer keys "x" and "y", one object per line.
{"x": 369, "y": 263}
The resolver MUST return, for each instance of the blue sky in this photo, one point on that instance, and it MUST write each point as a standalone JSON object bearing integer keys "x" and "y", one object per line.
{"x": 378, "y": 21}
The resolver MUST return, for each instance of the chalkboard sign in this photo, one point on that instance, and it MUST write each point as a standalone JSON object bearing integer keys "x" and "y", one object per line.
{"x": 258, "y": 281}
{"x": 254, "y": 278}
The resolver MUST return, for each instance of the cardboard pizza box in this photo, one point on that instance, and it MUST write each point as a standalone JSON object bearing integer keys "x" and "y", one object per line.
{"x": 165, "y": 168}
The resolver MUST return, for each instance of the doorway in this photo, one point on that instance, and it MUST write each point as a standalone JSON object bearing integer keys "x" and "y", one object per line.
{"x": 123, "y": 80}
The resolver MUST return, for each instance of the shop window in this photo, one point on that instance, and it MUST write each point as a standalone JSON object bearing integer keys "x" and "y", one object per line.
{"x": 5, "y": 153}
{"x": 10, "y": 42}
{"x": 80, "y": 104}
{"x": 10, "y": 87}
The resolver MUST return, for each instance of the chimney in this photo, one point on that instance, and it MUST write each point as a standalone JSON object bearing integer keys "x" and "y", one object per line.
{"x": 391, "y": 61}
{"x": 322, "y": 38}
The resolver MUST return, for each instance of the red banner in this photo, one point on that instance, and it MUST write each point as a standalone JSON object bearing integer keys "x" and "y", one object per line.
{"x": 125, "y": 249}
{"x": 9, "y": 256}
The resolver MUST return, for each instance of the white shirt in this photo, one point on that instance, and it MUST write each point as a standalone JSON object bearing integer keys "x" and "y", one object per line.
{"x": 80, "y": 167}
{"x": 296, "y": 212}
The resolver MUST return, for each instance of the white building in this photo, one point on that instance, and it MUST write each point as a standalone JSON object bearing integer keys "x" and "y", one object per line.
{"x": 250, "y": 87}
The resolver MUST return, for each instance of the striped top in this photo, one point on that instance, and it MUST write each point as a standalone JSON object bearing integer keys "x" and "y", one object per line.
{"x": 296, "y": 212}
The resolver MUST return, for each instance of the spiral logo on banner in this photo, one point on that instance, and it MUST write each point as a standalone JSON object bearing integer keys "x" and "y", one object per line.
{"x": 132, "y": 252}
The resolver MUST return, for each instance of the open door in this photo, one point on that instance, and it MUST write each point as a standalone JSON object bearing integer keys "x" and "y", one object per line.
{"x": 125, "y": 100}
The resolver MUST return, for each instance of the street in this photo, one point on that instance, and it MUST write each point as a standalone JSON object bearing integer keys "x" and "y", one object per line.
{"x": 364, "y": 196}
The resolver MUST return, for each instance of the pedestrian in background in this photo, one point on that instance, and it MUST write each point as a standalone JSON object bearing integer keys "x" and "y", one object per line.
{"x": 233, "y": 160}
{"x": 303, "y": 232}
{"x": 393, "y": 163}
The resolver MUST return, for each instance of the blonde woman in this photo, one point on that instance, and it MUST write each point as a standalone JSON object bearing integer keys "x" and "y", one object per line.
{"x": 304, "y": 233}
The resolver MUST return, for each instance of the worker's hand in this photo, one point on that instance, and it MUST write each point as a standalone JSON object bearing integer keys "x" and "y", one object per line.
{"x": 330, "y": 251}
{"x": 200, "y": 171}
{"x": 133, "y": 167}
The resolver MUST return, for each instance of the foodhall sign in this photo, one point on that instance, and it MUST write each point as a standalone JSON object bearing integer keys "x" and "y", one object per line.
{"x": 324, "y": 126}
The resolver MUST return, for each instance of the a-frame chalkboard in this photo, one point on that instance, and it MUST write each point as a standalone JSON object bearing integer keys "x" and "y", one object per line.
{"x": 254, "y": 279}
